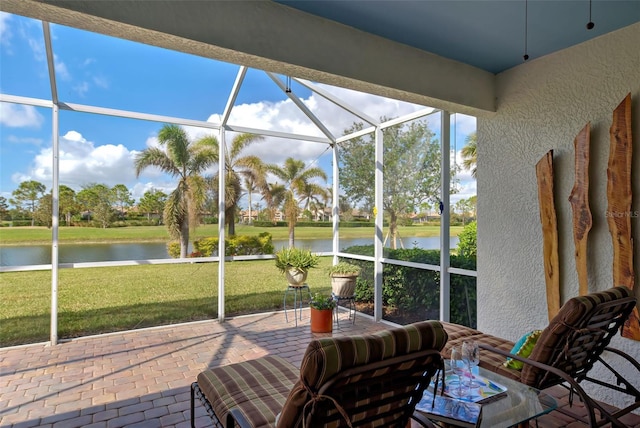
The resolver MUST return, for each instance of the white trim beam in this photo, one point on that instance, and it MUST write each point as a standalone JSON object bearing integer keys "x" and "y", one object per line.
{"x": 337, "y": 101}
{"x": 50, "y": 62}
{"x": 36, "y": 102}
{"x": 356, "y": 134}
{"x": 298, "y": 102}
{"x": 134, "y": 115}
{"x": 277, "y": 134}
{"x": 408, "y": 117}
{"x": 234, "y": 94}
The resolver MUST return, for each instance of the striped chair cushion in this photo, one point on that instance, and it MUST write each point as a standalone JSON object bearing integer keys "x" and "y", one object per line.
{"x": 573, "y": 313}
{"x": 326, "y": 357}
{"x": 488, "y": 360}
{"x": 258, "y": 388}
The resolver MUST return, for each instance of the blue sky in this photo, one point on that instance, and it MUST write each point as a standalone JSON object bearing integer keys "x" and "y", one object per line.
{"x": 96, "y": 70}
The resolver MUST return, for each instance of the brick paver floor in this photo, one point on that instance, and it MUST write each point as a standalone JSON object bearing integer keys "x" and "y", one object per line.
{"x": 141, "y": 378}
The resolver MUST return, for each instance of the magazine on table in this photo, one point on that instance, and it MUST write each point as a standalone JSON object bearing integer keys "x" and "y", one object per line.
{"x": 450, "y": 410}
{"x": 484, "y": 389}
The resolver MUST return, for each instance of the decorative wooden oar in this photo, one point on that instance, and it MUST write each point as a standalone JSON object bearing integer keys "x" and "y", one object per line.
{"x": 619, "y": 208}
{"x": 544, "y": 173}
{"x": 579, "y": 199}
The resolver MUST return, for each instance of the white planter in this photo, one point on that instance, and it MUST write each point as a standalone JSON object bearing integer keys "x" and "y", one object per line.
{"x": 343, "y": 285}
{"x": 296, "y": 276}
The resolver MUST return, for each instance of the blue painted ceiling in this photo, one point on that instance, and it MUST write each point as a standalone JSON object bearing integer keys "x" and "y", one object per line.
{"x": 488, "y": 34}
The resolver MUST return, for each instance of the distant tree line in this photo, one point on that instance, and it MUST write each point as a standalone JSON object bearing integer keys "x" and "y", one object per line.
{"x": 95, "y": 204}
{"x": 411, "y": 168}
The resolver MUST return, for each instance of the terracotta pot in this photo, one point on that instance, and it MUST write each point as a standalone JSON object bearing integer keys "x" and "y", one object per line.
{"x": 321, "y": 320}
{"x": 296, "y": 276}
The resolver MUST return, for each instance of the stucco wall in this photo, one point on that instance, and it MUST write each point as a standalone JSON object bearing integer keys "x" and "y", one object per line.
{"x": 542, "y": 105}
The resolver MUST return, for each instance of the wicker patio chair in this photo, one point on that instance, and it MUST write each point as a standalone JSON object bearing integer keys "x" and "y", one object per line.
{"x": 566, "y": 352}
{"x": 356, "y": 381}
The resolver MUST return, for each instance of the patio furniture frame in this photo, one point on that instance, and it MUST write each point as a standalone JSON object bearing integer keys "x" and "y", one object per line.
{"x": 357, "y": 381}
{"x": 567, "y": 350}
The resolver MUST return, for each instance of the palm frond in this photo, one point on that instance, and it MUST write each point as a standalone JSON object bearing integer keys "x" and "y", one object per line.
{"x": 177, "y": 142}
{"x": 154, "y": 156}
{"x": 174, "y": 212}
{"x": 240, "y": 142}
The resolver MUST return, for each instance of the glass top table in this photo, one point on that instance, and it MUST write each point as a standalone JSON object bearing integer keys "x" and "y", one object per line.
{"x": 520, "y": 403}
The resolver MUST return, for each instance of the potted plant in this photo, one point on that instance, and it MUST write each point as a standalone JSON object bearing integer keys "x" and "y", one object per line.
{"x": 343, "y": 279}
{"x": 322, "y": 307}
{"x": 295, "y": 264}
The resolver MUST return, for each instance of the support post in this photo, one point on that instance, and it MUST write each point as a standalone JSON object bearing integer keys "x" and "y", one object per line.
{"x": 55, "y": 191}
{"x": 378, "y": 213}
{"x": 335, "y": 215}
{"x": 221, "y": 222}
{"x": 445, "y": 242}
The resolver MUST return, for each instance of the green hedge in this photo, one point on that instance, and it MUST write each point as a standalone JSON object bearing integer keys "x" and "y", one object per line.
{"x": 260, "y": 223}
{"x": 237, "y": 245}
{"x": 417, "y": 291}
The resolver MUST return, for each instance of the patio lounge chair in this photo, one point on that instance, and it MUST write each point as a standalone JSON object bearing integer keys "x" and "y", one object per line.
{"x": 359, "y": 381}
{"x": 567, "y": 350}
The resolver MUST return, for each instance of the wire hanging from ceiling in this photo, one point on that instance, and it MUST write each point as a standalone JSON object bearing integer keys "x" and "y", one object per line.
{"x": 590, "y": 24}
{"x": 526, "y": 24}
{"x": 288, "y": 86}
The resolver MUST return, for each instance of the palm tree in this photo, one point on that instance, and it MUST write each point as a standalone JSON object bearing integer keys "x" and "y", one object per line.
{"x": 296, "y": 179}
{"x": 185, "y": 160}
{"x": 249, "y": 167}
{"x": 312, "y": 193}
{"x": 250, "y": 188}
{"x": 275, "y": 197}
{"x": 469, "y": 154}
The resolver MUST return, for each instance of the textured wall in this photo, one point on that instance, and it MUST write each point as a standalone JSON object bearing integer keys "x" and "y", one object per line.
{"x": 542, "y": 105}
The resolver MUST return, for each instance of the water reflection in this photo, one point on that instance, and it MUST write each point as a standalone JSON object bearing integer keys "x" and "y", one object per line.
{"x": 78, "y": 253}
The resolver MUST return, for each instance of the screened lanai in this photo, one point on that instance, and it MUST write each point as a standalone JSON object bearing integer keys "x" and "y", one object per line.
{"x": 66, "y": 91}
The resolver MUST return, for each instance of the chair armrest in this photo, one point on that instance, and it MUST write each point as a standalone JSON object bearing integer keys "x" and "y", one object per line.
{"x": 590, "y": 404}
{"x": 236, "y": 418}
{"x": 422, "y": 420}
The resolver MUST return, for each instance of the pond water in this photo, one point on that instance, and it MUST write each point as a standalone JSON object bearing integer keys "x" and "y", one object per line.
{"x": 78, "y": 253}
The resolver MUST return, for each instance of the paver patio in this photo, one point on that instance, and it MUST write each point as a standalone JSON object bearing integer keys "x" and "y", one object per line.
{"x": 141, "y": 378}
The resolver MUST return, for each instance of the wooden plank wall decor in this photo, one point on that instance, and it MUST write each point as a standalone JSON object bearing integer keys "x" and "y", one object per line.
{"x": 579, "y": 199}
{"x": 619, "y": 196}
{"x": 544, "y": 173}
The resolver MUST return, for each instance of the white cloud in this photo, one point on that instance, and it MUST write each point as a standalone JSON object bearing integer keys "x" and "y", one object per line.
{"x": 25, "y": 140}
{"x": 285, "y": 116}
{"x": 20, "y": 116}
{"x": 5, "y": 32}
{"x": 61, "y": 68}
{"x": 81, "y": 88}
{"x": 82, "y": 162}
{"x": 101, "y": 82}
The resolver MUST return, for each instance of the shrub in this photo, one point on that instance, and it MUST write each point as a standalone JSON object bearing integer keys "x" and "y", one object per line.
{"x": 468, "y": 241}
{"x": 237, "y": 245}
{"x": 417, "y": 291}
{"x": 173, "y": 248}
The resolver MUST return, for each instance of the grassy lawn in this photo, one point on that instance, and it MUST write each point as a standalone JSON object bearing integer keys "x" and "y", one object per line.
{"x": 42, "y": 235}
{"x": 98, "y": 300}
